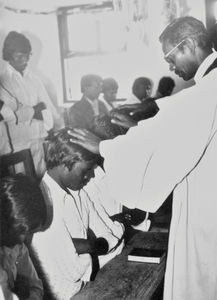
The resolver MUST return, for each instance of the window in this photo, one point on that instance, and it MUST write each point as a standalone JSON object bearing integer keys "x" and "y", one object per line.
{"x": 118, "y": 39}
{"x": 91, "y": 36}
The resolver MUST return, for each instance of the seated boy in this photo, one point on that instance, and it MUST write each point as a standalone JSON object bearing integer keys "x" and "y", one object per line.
{"x": 65, "y": 250}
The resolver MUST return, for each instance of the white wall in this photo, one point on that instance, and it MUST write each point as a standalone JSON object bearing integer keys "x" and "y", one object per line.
{"x": 42, "y": 30}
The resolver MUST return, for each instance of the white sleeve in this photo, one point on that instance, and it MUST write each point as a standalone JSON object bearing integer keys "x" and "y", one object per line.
{"x": 95, "y": 195}
{"x": 98, "y": 226}
{"x": 24, "y": 113}
{"x": 7, "y": 113}
{"x": 44, "y": 97}
{"x": 146, "y": 164}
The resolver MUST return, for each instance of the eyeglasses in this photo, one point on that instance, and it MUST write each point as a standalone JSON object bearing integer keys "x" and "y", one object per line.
{"x": 22, "y": 55}
{"x": 173, "y": 49}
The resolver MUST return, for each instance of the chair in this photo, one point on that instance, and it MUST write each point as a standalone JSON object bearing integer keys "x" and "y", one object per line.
{"x": 17, "y": 162}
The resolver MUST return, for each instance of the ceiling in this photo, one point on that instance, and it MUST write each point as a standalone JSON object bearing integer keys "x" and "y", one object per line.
{"x": 45, "y": 5}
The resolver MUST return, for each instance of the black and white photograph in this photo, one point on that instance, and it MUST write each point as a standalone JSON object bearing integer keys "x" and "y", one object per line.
{"x": 108, "y": 149}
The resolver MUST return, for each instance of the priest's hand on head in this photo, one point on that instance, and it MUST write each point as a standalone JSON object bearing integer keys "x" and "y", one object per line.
{"x": 85, "y": 139}
{"x": 123, "y": 120}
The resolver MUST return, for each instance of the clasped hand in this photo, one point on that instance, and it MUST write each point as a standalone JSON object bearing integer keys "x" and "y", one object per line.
{"x": 38, "y": 108}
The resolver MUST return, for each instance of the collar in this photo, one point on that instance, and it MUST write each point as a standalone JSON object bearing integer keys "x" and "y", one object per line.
{"x": 92, "y": 102}
{"x": 204, "y": 66}
{"x": 12, "y": 71}
{"x": 110, "y": 104}
{"x": 133, "y": 99}
{"x": 54, "y": 187}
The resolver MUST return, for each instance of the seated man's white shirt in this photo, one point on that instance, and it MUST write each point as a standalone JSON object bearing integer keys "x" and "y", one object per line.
{"x": 106, "y": 206}
{"x": 111, "y": 205}
{"x": 132, "y": 99}
{"x": 65, "y": 269}
{"x": 108, "y": 105}
{"x": 99, "y": 192}
{"x": 95, "y": 105}
{"x": 101, "y": 226}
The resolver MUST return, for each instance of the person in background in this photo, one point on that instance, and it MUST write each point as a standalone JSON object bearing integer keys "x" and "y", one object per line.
{"x": 140, "y": 106}
{"x": 165, "y": 87}
{"x": 24, "y": 94}
{"x": 175, "y": 151}
{"x": 22, "y": 211}
{"x": 77, "y": 235}
{"x": 109, "y": 91}
{"x": 141, "y": 90}
{"x": 82, "y": 113}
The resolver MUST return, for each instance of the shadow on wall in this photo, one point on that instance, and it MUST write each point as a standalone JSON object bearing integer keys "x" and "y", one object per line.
{"x": 37, "y": 49}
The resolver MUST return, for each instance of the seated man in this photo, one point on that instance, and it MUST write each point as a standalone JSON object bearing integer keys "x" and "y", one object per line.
{"x": 165, "y": 87}
{"x": 65, "y": 250}
{"x": 141, "y": 90}
{"x": 109, "y": 91}
{"x": 82, "y": 113}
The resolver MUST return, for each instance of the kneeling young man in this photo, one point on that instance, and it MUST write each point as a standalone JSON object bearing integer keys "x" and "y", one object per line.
{"x": 65, "y": 250}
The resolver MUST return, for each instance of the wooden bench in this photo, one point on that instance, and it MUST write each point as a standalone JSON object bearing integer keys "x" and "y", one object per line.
{"x": 121, "y": 279}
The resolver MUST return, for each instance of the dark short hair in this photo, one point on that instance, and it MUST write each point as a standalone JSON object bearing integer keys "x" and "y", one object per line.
{"x": 140, "y": 81}
{"x": 109, "y": 84}
{"x": 22, "y": 208}
{"x": 103, "y": 127}
{"x": 61, "y": 151}
{"x": 88, "y": 79}
{"x": 166, "y": 85}
{"x": 185, "y": 27}
{"x": 15, "y": 41}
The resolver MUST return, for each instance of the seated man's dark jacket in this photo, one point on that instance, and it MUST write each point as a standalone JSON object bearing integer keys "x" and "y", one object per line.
{"x": 81, "y": 114}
